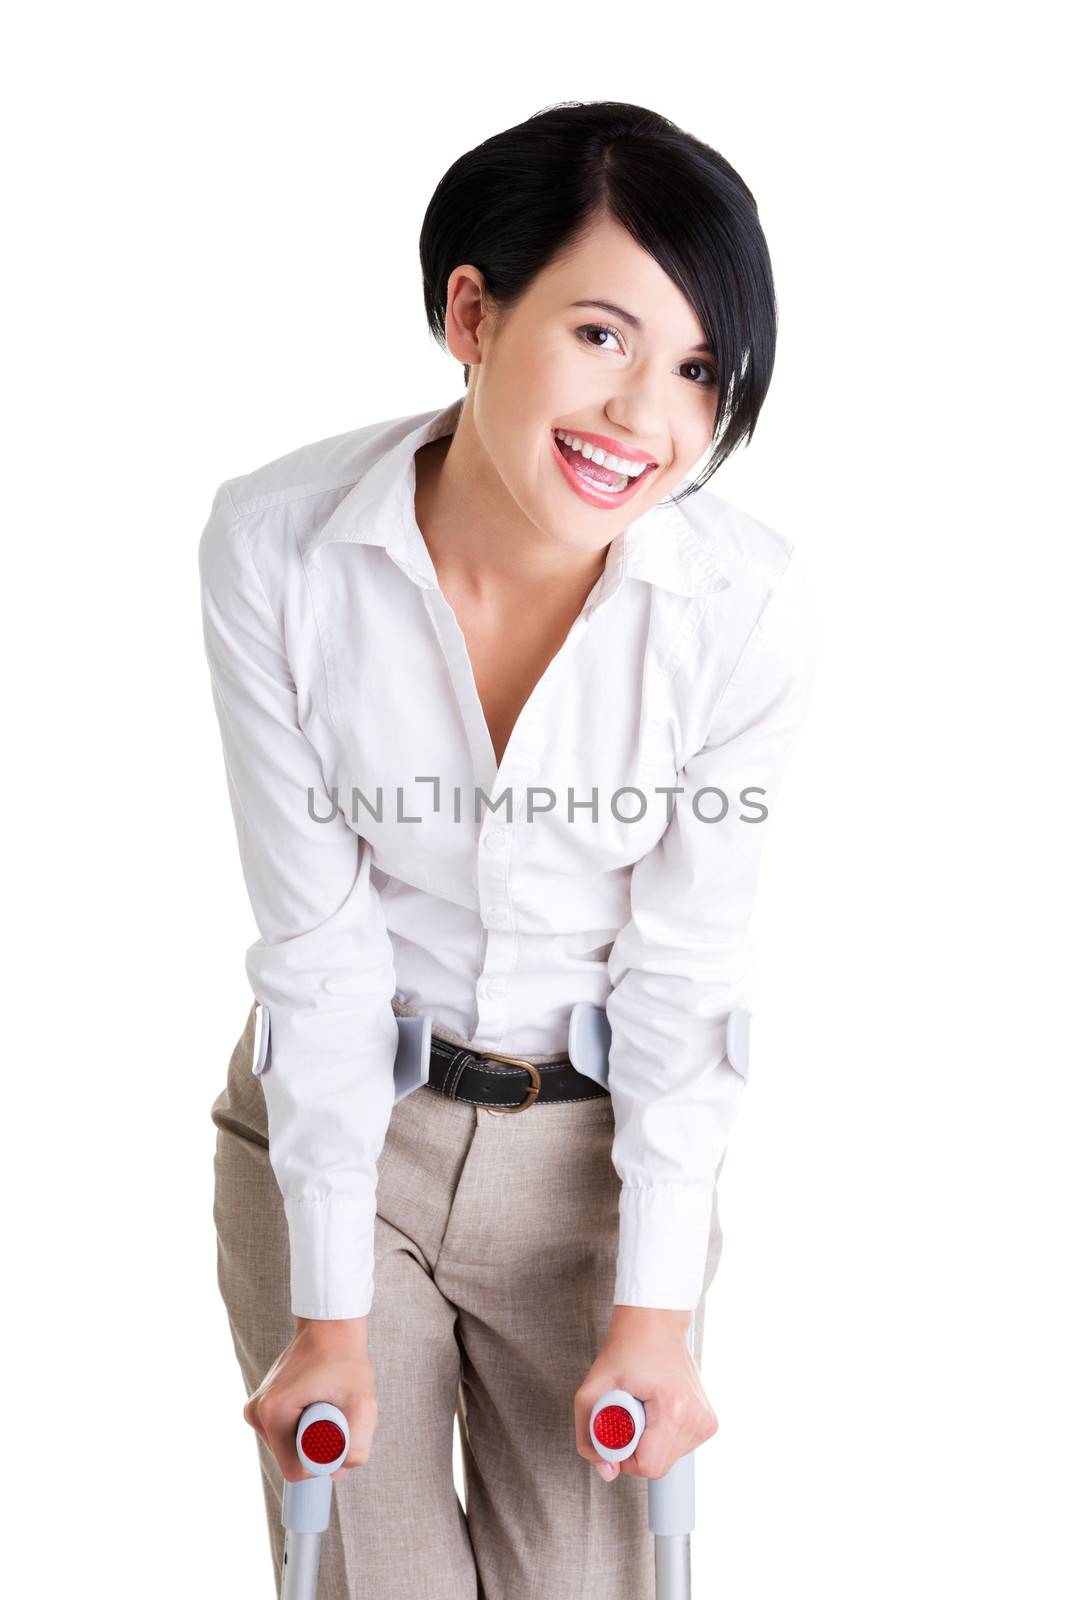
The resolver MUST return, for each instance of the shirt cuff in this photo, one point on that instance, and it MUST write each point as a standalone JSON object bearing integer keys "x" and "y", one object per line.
{"x": 664, "y": 1232}
{"x": 331, "y": 1256}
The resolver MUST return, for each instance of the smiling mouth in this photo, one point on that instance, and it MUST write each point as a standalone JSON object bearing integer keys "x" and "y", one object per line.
{"x": 604, "y": 478}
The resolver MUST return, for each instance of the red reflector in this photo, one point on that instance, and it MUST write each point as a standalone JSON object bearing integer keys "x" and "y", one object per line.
{"x": 323, "y": 1442}
{"x": 613, "y": 1427}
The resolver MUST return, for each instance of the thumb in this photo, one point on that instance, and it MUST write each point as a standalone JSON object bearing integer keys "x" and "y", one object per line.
{"x": 608, "y": 1470}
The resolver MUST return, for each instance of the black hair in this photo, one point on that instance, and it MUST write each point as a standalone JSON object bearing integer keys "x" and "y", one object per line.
{"x": 514, "y": 202}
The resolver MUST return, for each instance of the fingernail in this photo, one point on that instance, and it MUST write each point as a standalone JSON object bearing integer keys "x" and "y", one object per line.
{"x": 607, "y": 1471}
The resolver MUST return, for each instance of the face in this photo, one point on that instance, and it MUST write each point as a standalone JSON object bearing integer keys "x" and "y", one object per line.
{"x": 550, "y": 367}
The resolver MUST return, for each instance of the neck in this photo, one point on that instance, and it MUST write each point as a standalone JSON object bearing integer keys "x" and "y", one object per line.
{"x": 476, "y": 535}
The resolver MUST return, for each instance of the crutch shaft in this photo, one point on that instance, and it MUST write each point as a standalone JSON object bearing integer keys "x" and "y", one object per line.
{"x": 671, "y": 1553}
{"x": 322, "y": 1443}
{"x": 300, "y": 1565}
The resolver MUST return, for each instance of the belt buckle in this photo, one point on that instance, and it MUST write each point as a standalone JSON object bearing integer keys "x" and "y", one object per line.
{"x": 532, "y": 1092}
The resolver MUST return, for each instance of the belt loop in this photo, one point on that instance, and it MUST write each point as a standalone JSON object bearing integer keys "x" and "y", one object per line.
{"x": 450, "y": 1084}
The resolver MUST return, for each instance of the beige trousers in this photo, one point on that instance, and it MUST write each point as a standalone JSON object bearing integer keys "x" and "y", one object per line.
{"x": 495, "y": 1246}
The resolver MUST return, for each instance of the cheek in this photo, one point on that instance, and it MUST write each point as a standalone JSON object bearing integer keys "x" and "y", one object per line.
{"x": 514, "y": 446}
{"x": 692, "y": 441}
{"x": 517, "y": 396}
{"x": 544, "y": 390}
{"x": 522, "y": 424}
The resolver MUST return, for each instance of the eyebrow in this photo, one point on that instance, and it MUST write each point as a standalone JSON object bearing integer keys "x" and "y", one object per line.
{"x": 630, "y": 318}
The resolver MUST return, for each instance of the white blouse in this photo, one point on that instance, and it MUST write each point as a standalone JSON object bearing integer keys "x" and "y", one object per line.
{"x": 612, "y": 858}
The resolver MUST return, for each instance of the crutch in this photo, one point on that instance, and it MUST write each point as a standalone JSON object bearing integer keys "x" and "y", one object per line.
{"x": 322, "y": 1445}
{"x": 617, "y": 1423}
{"x": 616, "y": 1426}
{"x": 322, "y": 1437}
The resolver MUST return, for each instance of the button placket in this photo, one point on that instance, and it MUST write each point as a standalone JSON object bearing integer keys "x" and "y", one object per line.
{"x": 499, "y": 958}
{"x": 496, "y": 857}
{"x": 454, "y": 648}
{"x": 497, "y": 843}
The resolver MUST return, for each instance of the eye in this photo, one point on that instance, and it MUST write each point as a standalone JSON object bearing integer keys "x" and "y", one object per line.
{"x": 703, "y": 365}
{"x": 603, "y": 328}
{"x": 597, "y": 327}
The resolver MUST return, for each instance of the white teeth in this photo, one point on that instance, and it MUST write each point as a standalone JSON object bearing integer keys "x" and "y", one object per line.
{"x": 603, "y": 458}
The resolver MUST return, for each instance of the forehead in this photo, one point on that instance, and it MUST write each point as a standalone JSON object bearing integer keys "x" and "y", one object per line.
{"x": 606, "y": 260}
{"x": 610, "y": 271}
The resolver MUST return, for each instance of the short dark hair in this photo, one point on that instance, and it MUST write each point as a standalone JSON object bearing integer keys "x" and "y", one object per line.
{"x": 511, "y": 204}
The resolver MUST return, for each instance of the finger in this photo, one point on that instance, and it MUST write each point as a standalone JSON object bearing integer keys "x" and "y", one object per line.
{"x": 283, "y": 1447}
{"x": 256, "y": 1425}
{"x": 658, "y": 1449}
{"x": 582, "y": 1410}
{"x": 276, "y": 1423}
{"x": 362, "y": 1423}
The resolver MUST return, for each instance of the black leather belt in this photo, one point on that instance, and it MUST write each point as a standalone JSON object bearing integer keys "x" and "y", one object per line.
{"x": 453, "y": 1067}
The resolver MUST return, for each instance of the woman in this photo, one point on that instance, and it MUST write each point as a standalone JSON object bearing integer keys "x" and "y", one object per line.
{"x": 581, "y": 688}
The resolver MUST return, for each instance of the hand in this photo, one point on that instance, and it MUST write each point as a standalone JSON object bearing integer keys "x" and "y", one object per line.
{"x": 323, "y": 1361}
{"x": 648, "y": 1354}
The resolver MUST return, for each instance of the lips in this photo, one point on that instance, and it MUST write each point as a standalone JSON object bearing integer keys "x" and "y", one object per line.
{"x": 590, "y": 468}
{"x": 591, "y": 483}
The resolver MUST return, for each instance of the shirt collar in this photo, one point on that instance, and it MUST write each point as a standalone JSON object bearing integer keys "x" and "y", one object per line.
{"x": 661, "y": 546}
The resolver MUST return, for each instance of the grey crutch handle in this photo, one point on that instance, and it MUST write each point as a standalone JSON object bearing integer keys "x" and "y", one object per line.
{"x": 617, "y": 1423}
{"x": 322, "y": 1445}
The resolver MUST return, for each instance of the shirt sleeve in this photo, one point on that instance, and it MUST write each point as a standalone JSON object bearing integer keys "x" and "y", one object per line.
{"x": 681, "y": 964}
{"x": 322, "y": 968}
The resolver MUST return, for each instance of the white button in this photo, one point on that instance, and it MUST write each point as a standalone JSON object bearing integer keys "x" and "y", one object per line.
{"x": 498, "y": 917}
{"x": 495, "y": 989}
{"x": 496, "y": 839}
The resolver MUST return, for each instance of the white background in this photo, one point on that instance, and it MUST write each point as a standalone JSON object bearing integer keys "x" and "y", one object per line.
{"x": 214, "y": 213}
